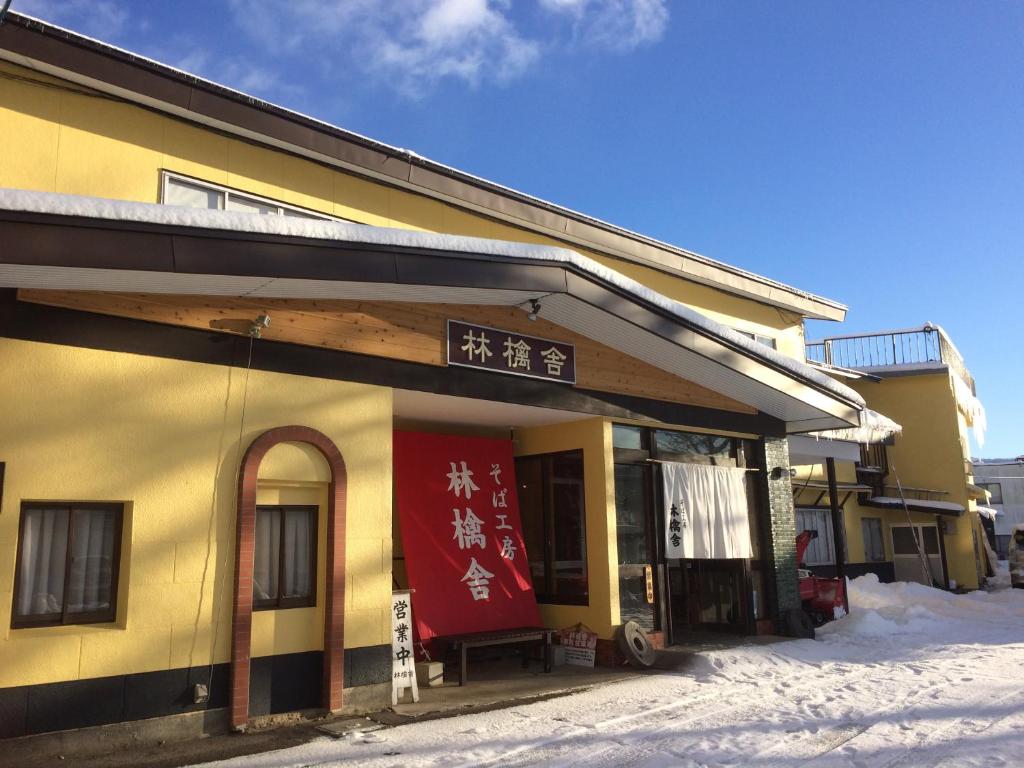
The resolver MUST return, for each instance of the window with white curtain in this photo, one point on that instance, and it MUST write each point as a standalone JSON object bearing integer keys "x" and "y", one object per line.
{"x": 68, "y": 557}
{"x": 874, "y": 549}
{"x": 284, "y": 562}
{"x": 820, "y": 551}
{"x": 193, "y": 193}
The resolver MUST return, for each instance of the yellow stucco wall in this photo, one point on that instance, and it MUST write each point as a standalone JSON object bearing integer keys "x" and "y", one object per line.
{"x": 57, "y": 141}
{"x": 594, "y": 438}
{"x": 930, "y": 453}
{"x": 163, "y": 437}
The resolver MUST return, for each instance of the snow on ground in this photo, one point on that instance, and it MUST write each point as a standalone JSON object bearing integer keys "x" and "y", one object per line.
{"x": 913, "y": 677}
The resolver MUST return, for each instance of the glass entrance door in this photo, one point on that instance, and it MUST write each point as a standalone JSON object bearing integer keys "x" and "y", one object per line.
{"x": 637, "y": 592}
{"x": 906, "y": 558}
{"x": 708, "y": 594}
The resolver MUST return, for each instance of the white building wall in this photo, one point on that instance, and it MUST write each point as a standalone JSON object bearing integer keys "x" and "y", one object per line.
{"x": 1010, "y": 476}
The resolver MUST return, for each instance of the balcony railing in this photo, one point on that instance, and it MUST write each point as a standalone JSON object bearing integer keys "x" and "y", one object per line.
{"x": 916, "y": 346}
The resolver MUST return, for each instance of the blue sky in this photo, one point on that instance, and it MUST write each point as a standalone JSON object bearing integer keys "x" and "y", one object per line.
{"x": 872, "y": 152}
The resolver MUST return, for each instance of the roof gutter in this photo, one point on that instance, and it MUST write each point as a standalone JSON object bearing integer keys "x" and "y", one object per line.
{"x": 62, "y": 53}
{"x": 585, "y": 279}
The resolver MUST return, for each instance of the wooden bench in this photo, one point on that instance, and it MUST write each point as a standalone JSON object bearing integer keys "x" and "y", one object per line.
{"x": 524, "y": 635}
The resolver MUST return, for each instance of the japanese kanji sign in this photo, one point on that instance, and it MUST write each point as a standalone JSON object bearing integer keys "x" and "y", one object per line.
{"x": 706, "y": 511}
{"x": 580, "y": 644}
{"x": 403, "y": 663}
{"x": 477, "y": 346}
{"x": 463, "y": 541}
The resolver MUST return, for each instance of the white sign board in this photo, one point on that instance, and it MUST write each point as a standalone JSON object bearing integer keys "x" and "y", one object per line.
{"x": 403, "y": 664}
{"x": 580, "y": 645}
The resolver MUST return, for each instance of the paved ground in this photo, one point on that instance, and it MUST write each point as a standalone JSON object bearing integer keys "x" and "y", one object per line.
{"x": 916, "y": 677}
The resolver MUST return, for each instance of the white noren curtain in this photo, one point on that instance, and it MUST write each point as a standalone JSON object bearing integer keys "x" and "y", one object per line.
{"x": 706, "y": 513}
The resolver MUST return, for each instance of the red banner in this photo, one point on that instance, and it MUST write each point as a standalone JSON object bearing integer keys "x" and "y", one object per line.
{"x": 461, "y": 534}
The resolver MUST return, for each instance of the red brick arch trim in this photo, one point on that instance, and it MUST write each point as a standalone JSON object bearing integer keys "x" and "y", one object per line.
{"x": 334, "y": 608}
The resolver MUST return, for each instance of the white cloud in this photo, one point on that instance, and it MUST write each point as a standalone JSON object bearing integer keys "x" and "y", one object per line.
{"x": 617, "y": 25}
{"x": 99, "y": 18}
{"x": 415, "y": 44}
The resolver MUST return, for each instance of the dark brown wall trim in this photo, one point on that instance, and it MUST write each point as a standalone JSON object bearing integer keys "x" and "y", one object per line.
{"x": 35, "y": 322}
{"x": 283, "y": 683}
{"x": 49, "y": 240}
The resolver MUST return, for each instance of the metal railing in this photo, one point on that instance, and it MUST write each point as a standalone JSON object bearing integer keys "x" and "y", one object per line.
{"x": 890, "y": 349}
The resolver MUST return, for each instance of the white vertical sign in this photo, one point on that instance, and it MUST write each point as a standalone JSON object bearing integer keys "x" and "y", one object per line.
{"x": 403, "y": 662}
{"x": 678, "y": 517}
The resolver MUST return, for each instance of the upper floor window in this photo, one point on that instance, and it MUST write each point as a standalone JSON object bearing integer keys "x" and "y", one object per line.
{"x": 996, "y": 489}
{"x": 192, "y": 193}
{"x": 284, "y": 562}
{"x": 767, "y": 341}
{"x": 68, "y": 557}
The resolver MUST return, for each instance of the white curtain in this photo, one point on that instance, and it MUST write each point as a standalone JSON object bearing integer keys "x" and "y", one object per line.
{"x": 268, "y": 549}
{"x": 92, "y": 558}
{"x": 44, "y": 543}
{"x": 706, "y": 513}
{"x": 298, "y": 544}
{"x": 44, "y": 550}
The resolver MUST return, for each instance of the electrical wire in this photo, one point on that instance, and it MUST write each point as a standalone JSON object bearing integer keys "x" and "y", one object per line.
{"x": 231, "y": 532}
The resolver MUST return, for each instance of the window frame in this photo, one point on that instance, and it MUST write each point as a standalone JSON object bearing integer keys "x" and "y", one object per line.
{"x": 280, "y": 603}
{"x": 761, "y": 338}
{"x": 826, "y": 537}
{"x": 166, "y": 177}
{"x": 107, "y": 616}
{"x": 881, "y": 539}
{"x": 988, "y": 487}
{"x": 547, "y": 515}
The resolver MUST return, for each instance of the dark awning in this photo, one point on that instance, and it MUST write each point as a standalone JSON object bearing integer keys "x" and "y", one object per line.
{"x": 916, "y": 505}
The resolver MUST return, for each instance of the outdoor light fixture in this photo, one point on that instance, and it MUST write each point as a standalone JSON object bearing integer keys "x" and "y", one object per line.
{"x": 779, "y": 472}
{"x": 534, "y": 309}
{"x": 261, "y": 322}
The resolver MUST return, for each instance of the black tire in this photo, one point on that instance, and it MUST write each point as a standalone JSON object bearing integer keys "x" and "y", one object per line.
{"x": 635, "y": 645}
{"x": 800, "y": 624}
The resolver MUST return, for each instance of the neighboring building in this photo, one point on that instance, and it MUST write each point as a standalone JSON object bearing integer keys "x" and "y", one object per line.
{"x": 919, "y": 379}
{"x": 194, "y": 500}
{"x": 1003, "y": 479}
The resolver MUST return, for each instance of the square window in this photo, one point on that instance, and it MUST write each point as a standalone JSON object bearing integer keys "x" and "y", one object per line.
{"x": 284, "y": 565}
{"x": 68, "y": 559}
{"x": 996, "y": 491}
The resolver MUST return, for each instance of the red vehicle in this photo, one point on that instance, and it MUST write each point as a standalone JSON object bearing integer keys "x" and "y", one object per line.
{"x": 823, "y": 599}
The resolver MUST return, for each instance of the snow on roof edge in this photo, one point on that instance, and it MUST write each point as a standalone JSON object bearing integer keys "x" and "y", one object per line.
{"x": 892, "y": 501}
{"x": 874, "y": 428}
{"x": 988, "y": 512}
{"x": 30, "y": 201}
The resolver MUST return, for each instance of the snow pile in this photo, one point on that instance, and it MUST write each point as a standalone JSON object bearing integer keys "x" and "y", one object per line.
{"x": 908, "y": 608}
{"x": 874, "y": 691}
